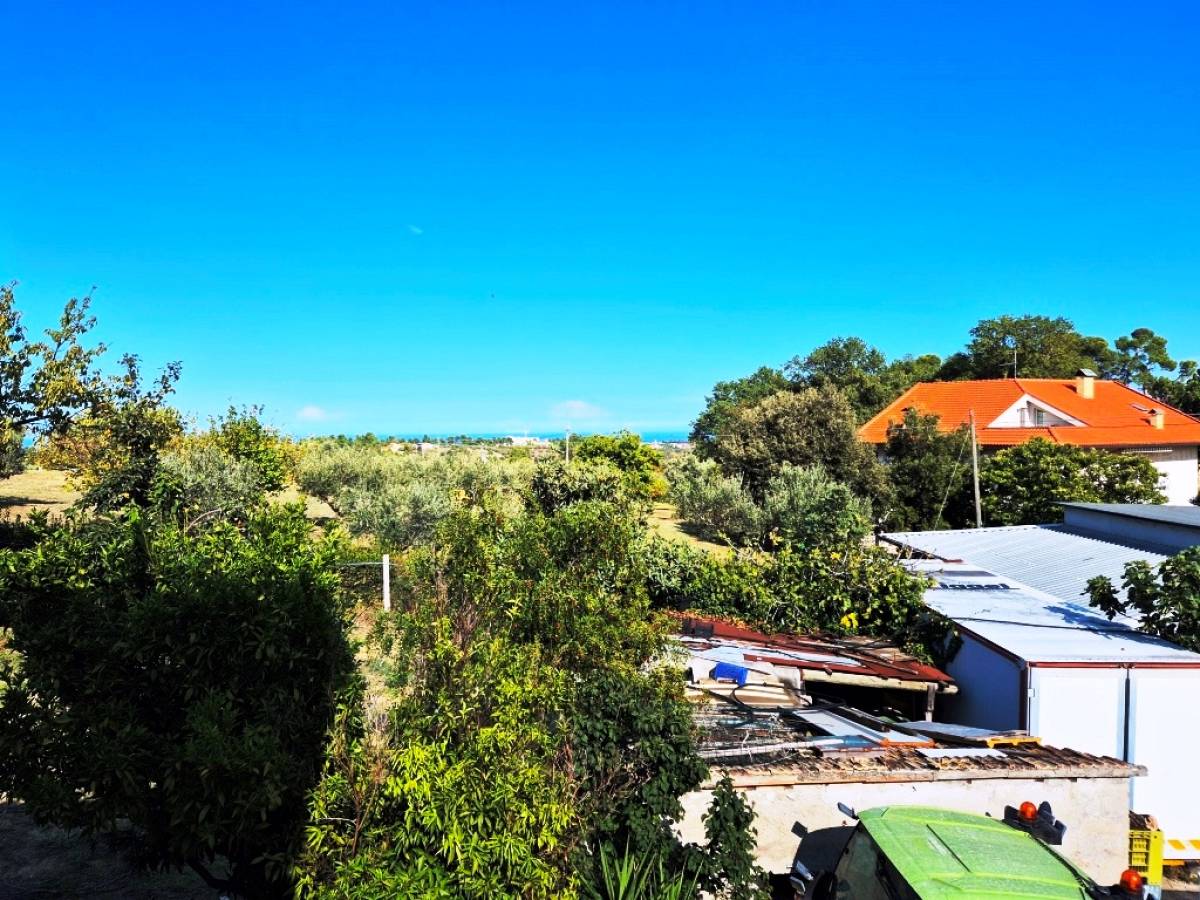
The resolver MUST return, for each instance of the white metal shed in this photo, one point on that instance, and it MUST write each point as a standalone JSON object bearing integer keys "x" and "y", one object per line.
{"x": 1064, "y": 672}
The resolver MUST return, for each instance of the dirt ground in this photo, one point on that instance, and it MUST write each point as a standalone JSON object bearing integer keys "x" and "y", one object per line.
{"x": 42, "y": 863}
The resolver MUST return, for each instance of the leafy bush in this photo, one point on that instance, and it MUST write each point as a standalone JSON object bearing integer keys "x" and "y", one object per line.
{"x": 1024, "y": 485}
{"x": 205, "y": 481}
{"x": 1165, "y": 597}
{"x": 714, "y": 504}
{"x": 801, "y": 505}
{"x": 854, "y": 589}
{"x": 640, "y": 464}
{"x": 527, "y": 725}
{"x": 399, "y": 514}
{"x": 182, "y": 683}
{"x": 556, "y": 484}
{"x": 243, "y": 436}
{"x": 930, "y": 474}
{"x": 804, "y": 507}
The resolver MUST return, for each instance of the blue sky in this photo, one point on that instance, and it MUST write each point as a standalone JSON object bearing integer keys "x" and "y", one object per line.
{"x": 496, "y": 217}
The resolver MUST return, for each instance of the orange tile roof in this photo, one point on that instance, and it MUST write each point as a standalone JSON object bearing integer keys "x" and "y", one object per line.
{"x": 1111, "y": 418}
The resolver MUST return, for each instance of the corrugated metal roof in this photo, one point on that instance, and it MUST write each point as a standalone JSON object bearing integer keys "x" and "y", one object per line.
{"x": 1037, "y": 627}
{"x": 1046, "y": 557}
{"x": 1186, "y": 516}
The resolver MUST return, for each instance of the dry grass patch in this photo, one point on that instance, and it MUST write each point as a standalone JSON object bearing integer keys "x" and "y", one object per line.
{"x": 665, "y": 522}
{"x": 36, "y": 489}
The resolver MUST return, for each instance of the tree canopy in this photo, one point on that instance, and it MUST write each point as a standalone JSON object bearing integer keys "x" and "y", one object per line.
{"x": 44, "y": 384}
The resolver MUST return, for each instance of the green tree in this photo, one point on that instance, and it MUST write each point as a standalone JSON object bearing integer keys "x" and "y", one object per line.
{"x": 44, "y": 384}
{"x": 1024, "y": 485}
{"x": 1045, "y": 348}
{"x": 861, "y": 372}
{"x": 242, "y": 435}
{"x": 181, "y": 683}
{"x": 640, "y": 463}
{"x": 725, "y": 399}
{"x": 804, "y": 507}
{"x": 806, "y": 427}
{"x": 1166, "y": 597}
{"x": 713, "y": 504}
{"x": 135, "y": 427}
{"x": 930, "y": 474}
{"x": 1137, "y": 356}
{"x": 1182, "y": 391}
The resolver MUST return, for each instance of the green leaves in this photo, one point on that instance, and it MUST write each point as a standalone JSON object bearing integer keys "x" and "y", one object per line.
{"x": 1024, "y": 485}
{"x": 1166, "y": 598}
{"x": 183, "y": 682}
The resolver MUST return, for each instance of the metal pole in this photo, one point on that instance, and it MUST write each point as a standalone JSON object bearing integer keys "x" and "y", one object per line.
{"x": 975, "y": 473}
{"x": 568, "y": 460}
{"x": 387, "y": 583}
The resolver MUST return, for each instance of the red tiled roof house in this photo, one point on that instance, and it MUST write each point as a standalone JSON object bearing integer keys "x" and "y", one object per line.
{"x": 1085, "y": 411}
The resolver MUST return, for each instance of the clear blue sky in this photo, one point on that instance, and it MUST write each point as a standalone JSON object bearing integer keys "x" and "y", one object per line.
{"x": 491, "y": 217}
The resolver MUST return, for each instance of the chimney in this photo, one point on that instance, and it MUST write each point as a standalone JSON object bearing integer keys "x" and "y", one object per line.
{"x": 1157, "y": 418}
{"x": 1085, "y": 383}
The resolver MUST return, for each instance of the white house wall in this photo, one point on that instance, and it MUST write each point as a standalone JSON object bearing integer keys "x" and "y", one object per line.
{"x": 1177, "y": 466}
{"x": 1095, "y": 811}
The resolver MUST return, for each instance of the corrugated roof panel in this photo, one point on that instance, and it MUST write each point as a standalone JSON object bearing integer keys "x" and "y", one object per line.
{"x": 1037, "y": 627}
{"x": 1046, "y": 557}
{"x": 1187, "y": 516}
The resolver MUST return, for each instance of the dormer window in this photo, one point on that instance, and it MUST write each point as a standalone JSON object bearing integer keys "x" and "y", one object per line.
{"x": 1039, "y": 417}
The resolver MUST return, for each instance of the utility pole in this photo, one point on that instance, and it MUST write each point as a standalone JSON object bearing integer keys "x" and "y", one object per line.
{"x": 568, "y": 460}
{"x": 975, "y": 470}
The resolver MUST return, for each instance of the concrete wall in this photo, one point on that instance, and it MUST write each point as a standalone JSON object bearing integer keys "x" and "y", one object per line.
{"x": 1095, "y": 811}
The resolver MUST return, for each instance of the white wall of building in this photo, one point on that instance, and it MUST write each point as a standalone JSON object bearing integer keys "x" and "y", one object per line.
{"x": 1180, "y": 479}
{"x": 1095, "y": 811}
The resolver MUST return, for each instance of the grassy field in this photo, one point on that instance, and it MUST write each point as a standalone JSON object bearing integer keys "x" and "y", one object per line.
{"x": 35, "y": 489}
{"x": 664, "y": 522}
{"x": 48, "y": 490}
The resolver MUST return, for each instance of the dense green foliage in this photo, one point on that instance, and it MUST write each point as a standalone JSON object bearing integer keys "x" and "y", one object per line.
{"x": 200, "y": 481}
{"x": 804, "y": 428}
{"x": 640, "y": 464}
{"x": 854, "y": 589}
{"x": 525, "y": 729}
{"x": 861, "y": 372}
{"x": 44, "y": 384}
{"x": 242, "y": 435}
{"x": 1024, "y": 485}
{"x": 802, "y": 506}
{"x": 930, "y": 475}
{"x": 726, "y": 398}
{"x": 1166, "y": 597}
{"x": 556, "y": 484}
{"x": 1044, "y": 348}
{"x": 180, "y": 682}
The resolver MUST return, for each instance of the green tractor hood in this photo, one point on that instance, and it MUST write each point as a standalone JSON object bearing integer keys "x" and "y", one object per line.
{"x": 953, "y": 855}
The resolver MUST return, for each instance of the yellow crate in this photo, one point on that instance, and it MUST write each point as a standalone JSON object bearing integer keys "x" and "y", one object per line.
{"x": 1146, "y": 853}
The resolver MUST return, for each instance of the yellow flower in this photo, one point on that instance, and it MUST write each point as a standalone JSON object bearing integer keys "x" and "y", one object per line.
{"x": 850, "y": 621}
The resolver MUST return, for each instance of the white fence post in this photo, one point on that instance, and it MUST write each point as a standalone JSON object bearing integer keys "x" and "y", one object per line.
{"x": 387, "y": 583}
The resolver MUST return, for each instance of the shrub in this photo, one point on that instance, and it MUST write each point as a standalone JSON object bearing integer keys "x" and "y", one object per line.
{"x": 804, "y": 507}
{"x": 714, "y": 504}
{"x": 182, "y": 683}
{"x": 1024, "y": 485}
{"x": 243, "y": 436}
{"x": 398, "y": 514}
{"x": 203, "y": 480}
{"x": 640, "y": 464}
{"x": 556, "y": 484}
